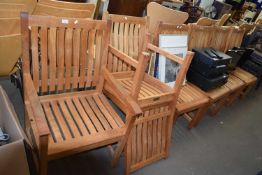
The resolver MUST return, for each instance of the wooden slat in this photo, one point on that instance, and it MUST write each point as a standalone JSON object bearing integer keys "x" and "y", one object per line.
{"x": 111, "y": 110}
{"x": 98, "y": 54}
{"x": 144, "y": 137}
{"x": 91, "y": 115}
{"x": 52, "y": 58}
{"x": 104, "y": 111}
{"x": 76, "y": 56}
{"x": 68, "y": 57}
{"x": 84, "y": 116}
{"x": 136, "y": 41}
{"x": 90, "y": 67}
{"x": 139, "y": 142}
{"x": 77, "y": 117}
{"x": 154, "y": 135}
{"x": 115, "y": 43}
{"x": 44, "y": 68}
{"x": 150, "y": 135}
{"x": 57, "y": 135}
{"x": 131, "y": 40}
{"x": 133, "y": 145}
{"x": 83, "y": 58}
{"x": 69, "y": 119}
{"x": 61, "y": 58}
{"x": 98, "y": 113}
{"x": 35, "y": 59}
{"x": 61, "y": 121}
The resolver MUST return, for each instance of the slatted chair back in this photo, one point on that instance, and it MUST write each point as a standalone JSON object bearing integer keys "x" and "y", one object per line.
{"x": 64, "y": 9}
{"x": 235, "y": 38}
{"x": 11, "y": 26}
{"x": 127, "y": 35}
{"x": 158, "y": 13}
{"x": 10, "y": 51}
{"x": 200, "y": 36}
{"x": 205, "y": 21}
{"x": 29, "y": 4}
{"x": 67, "y": 54}
{"x": 219, "y": 37}
{"x": 247, "y": 27}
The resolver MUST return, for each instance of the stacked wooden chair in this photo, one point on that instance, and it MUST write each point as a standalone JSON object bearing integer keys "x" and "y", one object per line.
{"x": 64, "y": 9}
{"x": 151, "y": 136}
{"x": 249, "y": 80}
{"x": 200, "y": 38}
{"x": 66, "y": 109}
{"x": 191, "y": 103}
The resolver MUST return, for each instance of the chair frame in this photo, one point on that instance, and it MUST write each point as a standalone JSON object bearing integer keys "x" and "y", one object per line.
{"x": 37, "y": 127}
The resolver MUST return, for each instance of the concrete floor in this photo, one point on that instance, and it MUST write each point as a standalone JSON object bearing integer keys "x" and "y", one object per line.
{"x": 228, "y": 144}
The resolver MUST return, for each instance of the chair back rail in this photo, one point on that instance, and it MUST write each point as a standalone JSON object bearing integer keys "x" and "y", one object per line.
{"x": 127, "y": 33}
{"x": 66, "y": 53}
{"x": 220, "y": 35}
{"x": 235, "y": 38}
{"x": 200, "y": 36}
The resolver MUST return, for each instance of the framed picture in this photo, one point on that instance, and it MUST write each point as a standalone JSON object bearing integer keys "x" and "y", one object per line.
{"x": 167, "y": 70}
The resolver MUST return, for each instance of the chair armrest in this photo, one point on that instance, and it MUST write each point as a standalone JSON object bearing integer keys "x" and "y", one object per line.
{"x": 32, "y": 98}
{"x": 119, "y": 92}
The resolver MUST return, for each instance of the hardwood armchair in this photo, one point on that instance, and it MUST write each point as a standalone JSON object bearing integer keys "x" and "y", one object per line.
{"x": 66, "y": 110}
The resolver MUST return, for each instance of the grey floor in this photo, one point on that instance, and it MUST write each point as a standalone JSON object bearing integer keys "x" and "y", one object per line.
{"x": 228, "y": 144}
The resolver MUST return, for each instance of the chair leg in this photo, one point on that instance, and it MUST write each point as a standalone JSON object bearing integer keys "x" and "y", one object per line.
{"x": 218, "y": 106}
{"x": 198, "y": 116}
{"x": 121, "y": 144}
{"x": 43, "y": 161}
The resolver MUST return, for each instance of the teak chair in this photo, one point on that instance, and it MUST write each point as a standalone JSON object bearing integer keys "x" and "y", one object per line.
{"x": 235, "y": 40}
{"x": 150, "y": 138}
{"x": 158, "y": 13}
{"x": 190, "y": 100}
{"x": 67, "y": 112}
{"x": 222, "y": 21}
{"x": 127, "y": 35}
{"x": 11, "y": 10}
{"x": 11, "y": 26}
{"x": 64, "y": 9}
{"x": 201, "y": 37}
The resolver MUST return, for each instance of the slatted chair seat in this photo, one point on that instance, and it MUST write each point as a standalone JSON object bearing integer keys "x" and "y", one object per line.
{"x": 218, "y": 92}
{"x": 151, "y": 88}
{"x": 190, "y": 98}
{"x": 234, "y": 83}
{"x": 245, "y": 76}
{"x": 78, "y": 120}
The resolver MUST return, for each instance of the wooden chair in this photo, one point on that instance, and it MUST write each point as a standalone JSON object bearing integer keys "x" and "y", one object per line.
{"x": 127, "y": 35}
{"x": 247, "y": 27}
{"x": 201, "y": 37}
{"x": 249, "y": 80}
{"x": 205, "y": 21}
{"x": 151, "y": 135}
{"x": 64, "y": 9}
{"x": 158, "y": 13}
{"x": 190, "y": 100}
{"x": 66, "y": 111}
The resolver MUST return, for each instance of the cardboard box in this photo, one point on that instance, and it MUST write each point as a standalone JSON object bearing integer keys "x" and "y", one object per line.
{"x": 13, "y": 160}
